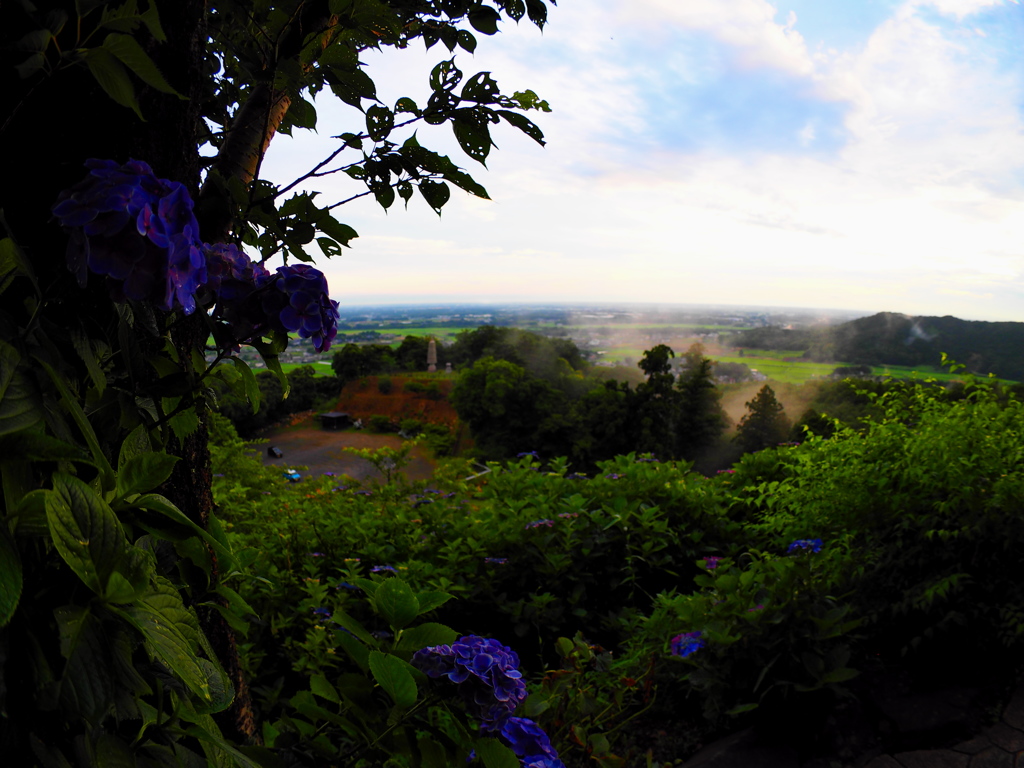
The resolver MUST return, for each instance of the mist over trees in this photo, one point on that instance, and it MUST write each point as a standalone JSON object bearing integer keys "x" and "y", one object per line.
{"x": 546, "y": 405}
{"x": 889, "y": 338}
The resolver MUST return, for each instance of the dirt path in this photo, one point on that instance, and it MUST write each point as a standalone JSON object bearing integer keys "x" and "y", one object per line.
{"x": 322, "y": 451}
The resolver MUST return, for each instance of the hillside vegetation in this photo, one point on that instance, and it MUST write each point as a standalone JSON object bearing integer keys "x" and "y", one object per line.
{"x": 889, "y": 338}
{"x": 651, "y": 607}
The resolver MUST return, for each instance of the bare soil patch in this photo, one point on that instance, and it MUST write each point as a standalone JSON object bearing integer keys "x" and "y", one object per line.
{"x": 306, "y": 444}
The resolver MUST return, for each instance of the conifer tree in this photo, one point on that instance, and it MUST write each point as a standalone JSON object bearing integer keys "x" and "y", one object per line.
{"x": 765, "y": 424}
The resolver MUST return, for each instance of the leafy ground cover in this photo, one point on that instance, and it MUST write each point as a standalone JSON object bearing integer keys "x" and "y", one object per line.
{"x": 650, "y": 606}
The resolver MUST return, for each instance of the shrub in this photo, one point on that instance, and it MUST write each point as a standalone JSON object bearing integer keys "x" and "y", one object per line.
{"x": 384, "y": 385}
{"x": 380, "y": 423}
{"x": 439, "y": 439}
{"x": 410, "y": 427}
{"x": 428, "y": 389}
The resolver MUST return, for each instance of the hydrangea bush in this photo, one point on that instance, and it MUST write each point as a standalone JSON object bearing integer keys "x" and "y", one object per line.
{"x": 139, "y": 233}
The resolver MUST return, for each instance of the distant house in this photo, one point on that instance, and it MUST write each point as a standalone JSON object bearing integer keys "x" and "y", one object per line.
{"x": 334, "y": 420}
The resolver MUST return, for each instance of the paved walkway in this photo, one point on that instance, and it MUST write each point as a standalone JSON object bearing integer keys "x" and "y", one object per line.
{"x": 999, "y": 746}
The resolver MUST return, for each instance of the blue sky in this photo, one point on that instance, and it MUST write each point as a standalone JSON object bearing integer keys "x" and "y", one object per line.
{"x": 854, "y": 154}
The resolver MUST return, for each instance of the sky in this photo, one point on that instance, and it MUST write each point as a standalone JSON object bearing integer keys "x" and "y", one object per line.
{"x": 847, "y": 154}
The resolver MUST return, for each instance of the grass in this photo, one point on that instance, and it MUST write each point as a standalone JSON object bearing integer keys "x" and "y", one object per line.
{"x": 408, "y": 330}
{"x": 319, "y": 368}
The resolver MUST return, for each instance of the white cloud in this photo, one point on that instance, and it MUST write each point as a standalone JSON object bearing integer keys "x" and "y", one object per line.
{"x": 959, "y": 8}
{"x": 922, "y": 210}
{"x": 747, "y": 26}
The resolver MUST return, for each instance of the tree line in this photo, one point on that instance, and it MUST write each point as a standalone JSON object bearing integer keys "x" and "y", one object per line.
{"x": 888, "y": 338}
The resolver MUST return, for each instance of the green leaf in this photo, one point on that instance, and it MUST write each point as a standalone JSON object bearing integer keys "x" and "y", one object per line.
{"x": 351, "y": 86}
{"x": 87, "y": 683}
{"x": 130, "y": 53}
{"x": 111, "y": 76}
{"x": 152, "y": 21}
{"x": 353, "y": 626}
{"x": 10, "y": 577}
{"x": 36, "y": 446}
{"x": 81, "y": 420}
{"x": 523, "y": 123}
{"x": 358, "y": 652}
{"x": 432, "y": 753}
{"x": 144, "y": 472}
{"x": 335, "y": 230}
{"x": 85, "y": 531}
{"x": 184, "y": 423}
{"x": 18, "y": 406}
{"x": 740, "y": 709}
{"x": 495, "y": 754}
{"x": 431, "y": 600}
{"x": 136, "y": 444}
{"x": 369, "y": 586}
{"x": 302, "y": 114}
{"x": 426, "y": 635}
{"x": 252, "y": 387}
{"x": 840, "y": 675}
{"x": 320, "y": 686}
{"x": 445, "y": 76}
{"x": 31, "y": 65}
{"x": 12, "y": 263}
{"x": 405, "y": 104}
{"x": 385, "y": 196}
{"x": 474, "y": 137}
{"x": 481, "y": 88}
{"x": 466, "y": 40}
{"x": 436, "y": 193}
{"x": 396, "y": 602}
{"x": 379, "y": 122}
{"x": 171, "y": 633}
{"x": 484, "y": 19}
{"x": 395, "y": 677}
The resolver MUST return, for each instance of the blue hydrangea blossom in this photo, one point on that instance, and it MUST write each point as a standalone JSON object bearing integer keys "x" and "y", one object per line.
{"x": 488, "y": 671}
{"x": 686, "y": 644}
{"x": 136, "y": 230}
{"x": 529, "y": 742}
{"x": 812, "y": 546}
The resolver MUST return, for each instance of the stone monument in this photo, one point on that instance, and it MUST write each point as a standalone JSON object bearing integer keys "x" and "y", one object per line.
{"x": 432, "y": 356}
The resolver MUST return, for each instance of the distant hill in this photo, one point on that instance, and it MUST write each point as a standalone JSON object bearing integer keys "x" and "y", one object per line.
{"x": 889, "y": 338}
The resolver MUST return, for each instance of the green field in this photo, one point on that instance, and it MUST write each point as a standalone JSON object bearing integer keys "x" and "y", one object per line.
{"x": 409, "y": 330}
{"x": 320, "y": 368}
{"x": 635, "y": 326}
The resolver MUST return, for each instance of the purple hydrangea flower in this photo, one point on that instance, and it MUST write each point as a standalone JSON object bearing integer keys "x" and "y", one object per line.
{"x": 487, "y": 671}
{"x": 528, "y": 741}
{"x": 298, "y": 302}
{"x": 540, "y": 523}
{"x": 496, "y": 560}
{"x": 687, "y": 643}
{"x": 160, "y": 259}
{"x": 812, "y": 546}
{"x": 231, "y": 273}
{"x": 613, "y": 476}
{"x": 383, "y": 569}
{"x": 711, "y": 562}
{"x": 568, "y": 515}
{"x": 575, "y": 476}
{"x": 540, "y": 761}
{"x": 322, "y": 613}
{"x": 531, "y": 454}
